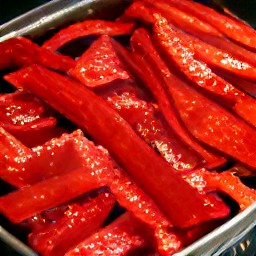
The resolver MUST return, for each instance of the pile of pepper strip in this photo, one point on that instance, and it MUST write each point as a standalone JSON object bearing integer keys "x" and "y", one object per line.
{"x": 135, "y": 147}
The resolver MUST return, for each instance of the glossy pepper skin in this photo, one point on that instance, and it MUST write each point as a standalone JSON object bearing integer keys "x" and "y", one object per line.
{"x": 207, "y": 33}
{"x": 85, "y": 28}
{"x": 89, "y": 169}
{"x": 124, "y": 235}
{"x": 232, "y": 28}
{"x": 147, "y": 120}
{"x": 110, "y": 130}
{"x": 229, "y": 134}
{"x": 28, "y": 118}
{"x": 138, "y": 65}
{"x": 184, "y": 52}
{"x": 99, "y": 64}
{"x": 94, "y": 68}
{"x": 23, "y": 52}
{"x": 77, "y": 223}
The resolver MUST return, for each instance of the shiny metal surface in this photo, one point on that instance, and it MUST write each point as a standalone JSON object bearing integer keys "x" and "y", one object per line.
{"x": 230, "y": 238}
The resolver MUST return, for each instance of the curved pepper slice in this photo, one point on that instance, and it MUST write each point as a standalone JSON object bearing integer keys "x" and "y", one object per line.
{"x": 139, "y": 66}
{"x": 46, "y": 194}
{"x": 232, "y": 28}
{"x": 147, "y": 120}
{"x": 77, "y": 223}
{"x": 27, "y": 118}
{"x": 85, "y": 28}
{"x": 178, "y": 51}
{"x": 23, "y": 52}
{"x": 146, "y": 168}
{"x": 124, "y": 235}
{"x": 99, "y": 64}
{"x": 183, "y": 20}
{"x": 46, "y": 161}
{"x": 226, "y": 182}
{"x": 205, "y": 119}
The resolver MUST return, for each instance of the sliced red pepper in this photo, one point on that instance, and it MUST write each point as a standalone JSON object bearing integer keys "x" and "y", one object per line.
{"x": 46, "y": 161}
{"x": 221, "y": 59}
{"x": 168, "y": 242}
{"x": 77, "y": 224}
{"x": 182, "y": 52}
{"x": 34, "y": 199}
{"x": 145, "y": 167}
{"x": 231, "y": 47}
{"x": 205, "y": 119}
{"x": 27, "y": 118}
{"x": 139, "y": 66}
{"x": 11, "y": 150}
{"x": 226, "y": 182}
{"x": 246, "y": 108}
{"x": 132, "y": 197}
{"x": 232, "y": 28}
{"x": 183, "y": 20}
{"x": 149, "y": 123}
{"x": 85, "y": 28}
{"x": 140, "y": 10}
{"x": 245, "y": 86}
{"x": 23, "y": 52}
{"x": 126, "y": 234}
{"x": 99, "y": 64}
{"x": 178, "y": 51}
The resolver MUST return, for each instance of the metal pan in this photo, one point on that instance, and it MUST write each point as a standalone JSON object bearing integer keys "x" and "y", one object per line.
{"x": 235, "y": 237}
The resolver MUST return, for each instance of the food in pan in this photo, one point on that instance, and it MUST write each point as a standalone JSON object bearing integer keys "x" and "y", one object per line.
{"x": 136, "y": 145}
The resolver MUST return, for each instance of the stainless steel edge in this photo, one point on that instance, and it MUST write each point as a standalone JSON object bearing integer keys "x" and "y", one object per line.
{"x": 54, "y": 14}
{"x": 58, "y": 13}
{"x": 15, "y": 243}
{"x": 223, "y": 237}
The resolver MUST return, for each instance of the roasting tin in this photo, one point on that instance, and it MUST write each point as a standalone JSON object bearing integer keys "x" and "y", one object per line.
{"x": 235, "y": 237}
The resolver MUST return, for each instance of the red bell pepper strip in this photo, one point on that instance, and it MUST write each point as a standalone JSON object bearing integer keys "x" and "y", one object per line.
{"x": 23, "y": 52}
{"x": 182, "y": 52}
{"x": 180, "y": 19}
{"x": 168, "y": 242}
{"x": 234, "y": 29}
{"x": 149, "y": 123}
{"x": 99, "y": 64}
{"x": 246, "y": 108}
{"x": 226, "y": 182}
{"x": 138, "y": 10}
{"x": 77, "y": 223}
{"x": 203, "y": 51}
{"x": 27, "y": 118}
{"x": 178, "y": 51}
{"x": 124, "y": 235}
{"x": 85, "y": 28}
{"x": 46, "y": 194}
{"x": 10, "y": 151}
{"x": 145, "y": 167}
{"x": 221, "y": 59}
{"x": 203, "y": 117}
{"x": 46, "y": 161}
{"x": 130, "y": 196}
{"x": 139, "y": 66}
{"x": 245, "y": 86}
{"x": 233, "y": 48}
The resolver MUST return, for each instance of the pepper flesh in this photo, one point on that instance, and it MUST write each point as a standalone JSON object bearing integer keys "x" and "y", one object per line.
{"x": 23, "y": 52}
{"x": 139, "y": 66}
{"x": 234, "y": 29}
{"x": 124, "y": 235}
{"x": 100, "y": 69}
{"x": 78, "y": 222}
{"x": 85, "y": 28}
{"x": 229, "y": 134}
{"x": 111, "y": 131}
